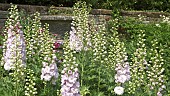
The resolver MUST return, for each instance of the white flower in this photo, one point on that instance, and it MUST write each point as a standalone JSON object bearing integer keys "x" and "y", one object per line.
{"x": 119, "y": 90}
{"x": 159, "y": 93}
{"x": 7, "y": 66}
{"x": 46, "y": 77}
{"x": 121, "y": 78}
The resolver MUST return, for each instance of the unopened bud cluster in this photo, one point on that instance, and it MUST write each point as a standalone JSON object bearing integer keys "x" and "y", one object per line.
{"x": 80, "y": 36}
{"x": 30, "y": 89}
{"x": 99, "y": 45}
{"x": 138, "y": 65}
{"x": 49, "y": 70}
{"x": 155, "y": 70}
{"x": 70, "y": 75}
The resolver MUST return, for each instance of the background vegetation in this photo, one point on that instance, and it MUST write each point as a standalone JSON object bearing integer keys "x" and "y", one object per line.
{"x": 159, "y": 5}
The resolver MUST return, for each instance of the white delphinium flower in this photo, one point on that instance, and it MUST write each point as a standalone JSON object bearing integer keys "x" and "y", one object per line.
{"x": 155, "y": 70}
{"x": 9, "y": 53}
{"x": 75, "y": 42}
{"x": 70, "y": 84}
{"x": 138, "y": 65}
{"x": 122, "y": 73}
{"x": 14, "y": 42}
{"x": 49, "y": 70}
{"x": 122, "y": 67}
{"x": 70, "y": 76}
{"x": 14, "y": 54}
{"x": 119, "y": 90}
{"x": 117, "y": 56}
{"x": 80, "y": 36}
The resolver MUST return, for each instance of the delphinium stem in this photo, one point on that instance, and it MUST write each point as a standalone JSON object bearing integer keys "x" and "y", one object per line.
{"x": 98, "y": 80}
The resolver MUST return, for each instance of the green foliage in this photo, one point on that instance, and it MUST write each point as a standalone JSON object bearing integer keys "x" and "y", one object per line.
{"x": 129, "y": 28}
{"x": 159, "y": 5}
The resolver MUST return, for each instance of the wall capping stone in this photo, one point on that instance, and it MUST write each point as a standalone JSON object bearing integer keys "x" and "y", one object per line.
{"x": 56, "y": 17}
{"x": 143, "y": 13}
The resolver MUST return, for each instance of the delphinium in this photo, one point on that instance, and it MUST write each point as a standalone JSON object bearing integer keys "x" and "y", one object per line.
{"x": 156, "y": 78}
{"x": 99, "y": 44}
{"x": 99, "y": 58}
{"x": 80, "y": 38}
{"x": 138, "y": 65}
{"x": 30, "y": 89}
{"x": 41, "y": 57}
{"x": 117, "y": 52}
{"x": 14, "y": 55}
{"x": 32, "y": 33}
{"x": 101, "y": 69}
{"x": 112, "y": 41}
{"x": 70, "y": 74}
{"x": 49, "y": 71}
{"x": 75, "y": 42}
{"x": 80, "y": 27}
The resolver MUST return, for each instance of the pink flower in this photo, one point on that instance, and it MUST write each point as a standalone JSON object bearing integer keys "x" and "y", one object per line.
{"x": 56, "y": 45}
{"x": 69, "y": 83}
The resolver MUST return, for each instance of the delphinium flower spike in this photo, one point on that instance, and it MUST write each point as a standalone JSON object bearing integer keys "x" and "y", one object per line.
{"x": 49, "y": 71}
{"x": 156, "y": 79}
{"x": 138, "y": 65}
{"x": 14, "y": 39}
{"x": 117, "y": 52}
{"x": 14, "y": 54}
{"x": 80, "y": 36}
{"x": 69, "y": 75}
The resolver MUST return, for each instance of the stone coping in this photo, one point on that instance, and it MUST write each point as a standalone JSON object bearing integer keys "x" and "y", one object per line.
{"x": 56, "y": 17}
{"x": 143, "y": 13}
{"x": 70, "y": 18}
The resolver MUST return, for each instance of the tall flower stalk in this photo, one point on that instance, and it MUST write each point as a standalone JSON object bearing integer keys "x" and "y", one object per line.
{"x": 156, "y": 79}
{"x": 40, "y": 53}
{"x": 49, "y": 71}
{"x": 118, "y": 59}
{"x": 138, "y": 65}
{"x": 80, "y": 28}
{"x": 80, "y": 36}
{"x": 14, "y": 54}
{"x": 70, "y": 85}
{"x": 99, "y": 52}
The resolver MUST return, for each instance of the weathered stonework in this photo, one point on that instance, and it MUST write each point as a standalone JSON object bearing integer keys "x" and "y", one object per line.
{"x": 60, "y": 22}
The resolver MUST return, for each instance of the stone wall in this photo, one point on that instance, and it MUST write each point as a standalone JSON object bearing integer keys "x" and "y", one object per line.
{"x": 60, "y": 21}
